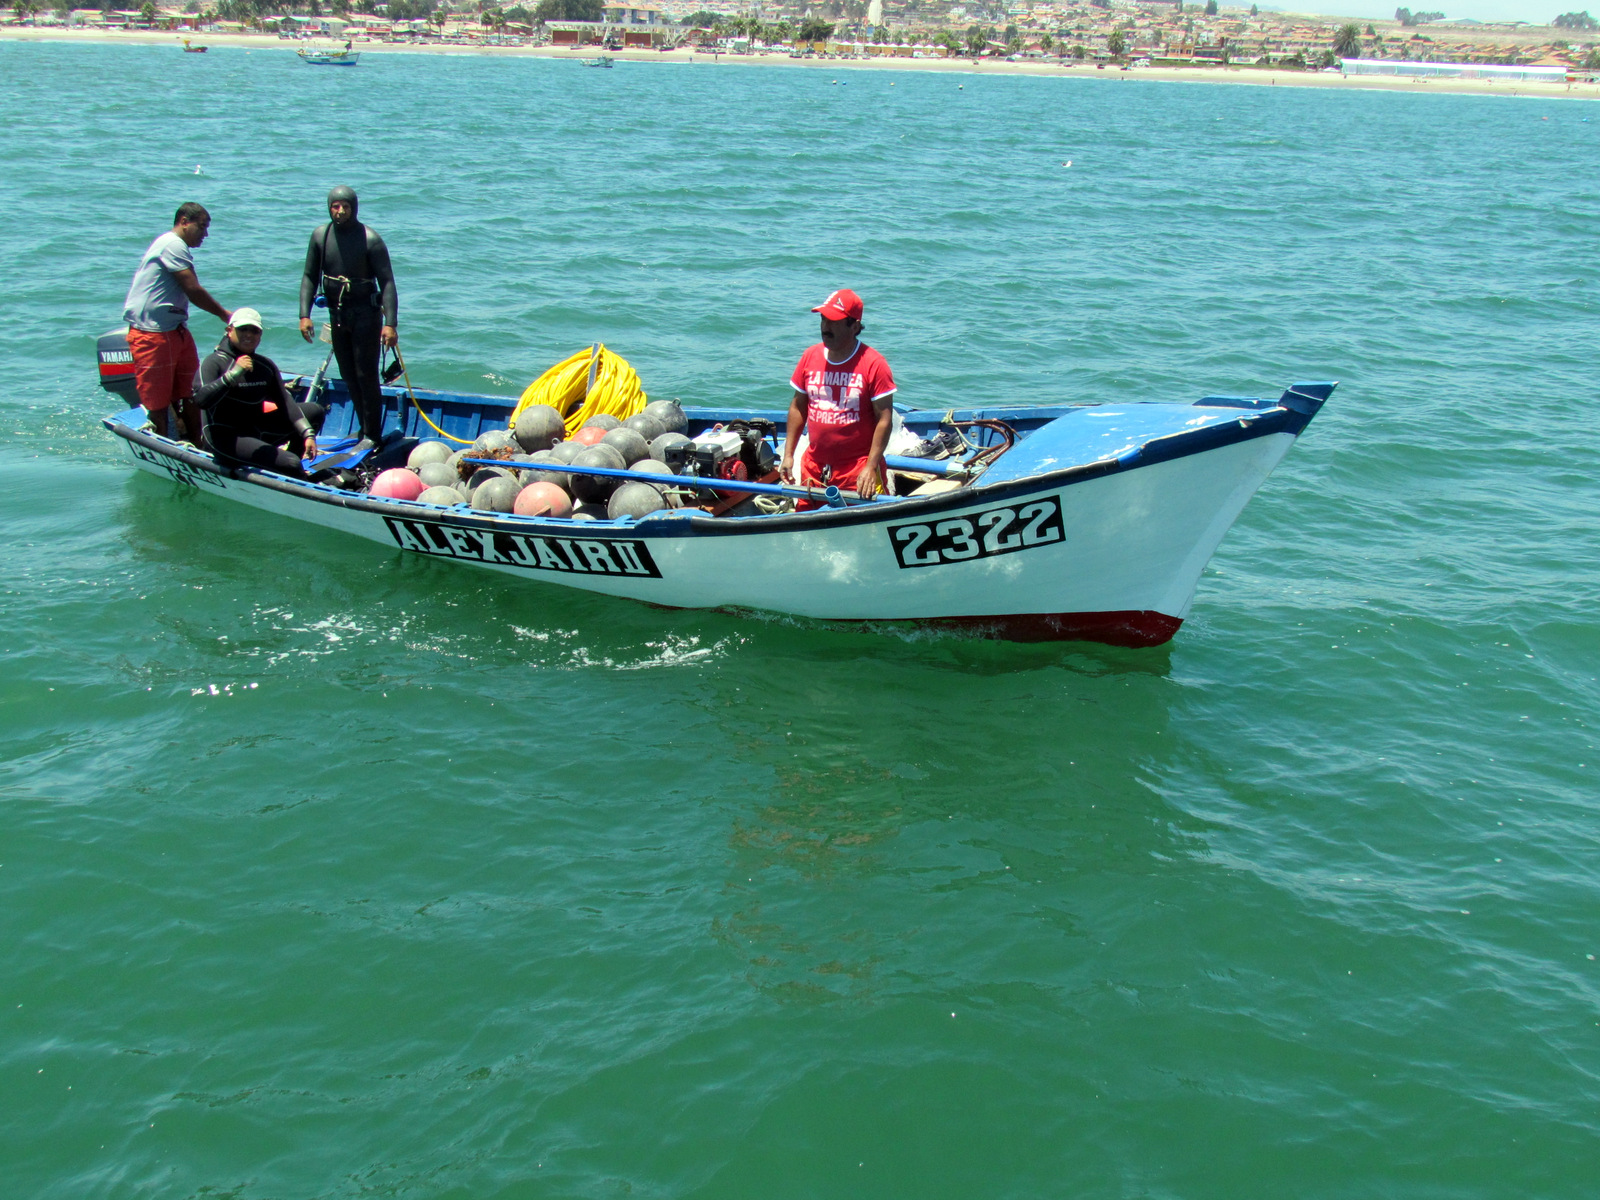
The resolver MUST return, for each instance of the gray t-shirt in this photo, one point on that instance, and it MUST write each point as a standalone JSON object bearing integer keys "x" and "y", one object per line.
{"x": 155, "y": 302}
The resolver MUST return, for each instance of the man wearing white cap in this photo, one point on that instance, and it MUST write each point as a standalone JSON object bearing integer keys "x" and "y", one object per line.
{"x": 250, "y": 417}
{"x": 843, "y": 398}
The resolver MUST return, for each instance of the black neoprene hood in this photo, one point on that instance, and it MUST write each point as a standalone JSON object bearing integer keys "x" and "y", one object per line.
{"x": 344, "y": 193}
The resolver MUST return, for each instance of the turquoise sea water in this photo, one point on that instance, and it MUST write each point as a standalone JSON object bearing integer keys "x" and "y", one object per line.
{"x": 326, "y": 872}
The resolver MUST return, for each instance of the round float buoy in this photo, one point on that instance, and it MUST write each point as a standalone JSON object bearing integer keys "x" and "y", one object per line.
{"x": 492, "y": 441}
{"x": 645, "y": 425}
{"x": 397, "y": 483}
{"x": 542, "y": 500}
{"x": 596, "y": 489}
{"x": 659, "y": 447}
{"x": 437, "y": 474}
{"x": 635, "y": 499}
{"x": 669, "y": 415}
{"x": 629, "y": 443}
{"x": 441, "y": 495}
{"x": 497, "y": 495}
{"x": 589, "y": 435}
{"x": 565, "y": 452}
{"x": 539, "y": 427}
{"x": 603, "y": 421}
{"x": 483, "y": 475}
{"x": 535, "y": 475}
{"x": 424, "y": 454}
{"x": 651, "y": 466}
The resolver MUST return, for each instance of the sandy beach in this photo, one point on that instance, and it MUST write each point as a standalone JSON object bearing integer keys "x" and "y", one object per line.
{"x": 1194, "y": 75}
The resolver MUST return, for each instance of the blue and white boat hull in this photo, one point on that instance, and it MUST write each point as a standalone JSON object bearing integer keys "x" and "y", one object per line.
{"x": 1087, "y": 529}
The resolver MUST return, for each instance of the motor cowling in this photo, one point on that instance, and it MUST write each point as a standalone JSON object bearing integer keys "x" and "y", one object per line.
{"x": 116, "y": 365}
{"x": 738, "y": 450}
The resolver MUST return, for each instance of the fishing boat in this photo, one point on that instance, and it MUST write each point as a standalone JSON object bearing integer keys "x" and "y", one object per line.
{"x": 314, "y": 57}
{"x": 603, "y": 60}
{"x": 1074, "y": 522}
{"x": 191, "y": 49}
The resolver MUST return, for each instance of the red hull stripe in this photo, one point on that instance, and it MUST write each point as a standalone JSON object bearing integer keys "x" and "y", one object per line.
{"x": 1128, "y": 628}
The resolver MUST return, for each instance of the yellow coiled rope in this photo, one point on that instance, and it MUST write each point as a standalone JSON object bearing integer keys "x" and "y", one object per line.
{"x": 591, "y": 382}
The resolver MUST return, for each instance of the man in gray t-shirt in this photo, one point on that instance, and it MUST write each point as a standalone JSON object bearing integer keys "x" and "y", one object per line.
{"x": 157, "y": 312}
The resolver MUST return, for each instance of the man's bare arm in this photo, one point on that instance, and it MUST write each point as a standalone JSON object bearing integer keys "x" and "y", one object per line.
{"x": 198, "y": 296}
{"x": 797, "y": 422}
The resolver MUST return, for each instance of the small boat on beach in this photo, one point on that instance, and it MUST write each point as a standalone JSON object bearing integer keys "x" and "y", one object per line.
{"x": 1071, "y": 522}
{"x": 344, "y": 57}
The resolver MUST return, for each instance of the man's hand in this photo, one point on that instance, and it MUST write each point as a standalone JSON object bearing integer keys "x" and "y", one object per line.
{"x": 870, "y": 482}
{"x": 311, "y": 446}
{"x": 786, "y": 468}
{"x": 305, "y": 328}
{"x": 389, "y": 336}
{"x": 242, "y": 366}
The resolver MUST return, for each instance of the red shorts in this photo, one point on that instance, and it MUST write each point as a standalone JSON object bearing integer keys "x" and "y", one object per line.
{"x": 164, "y": 366}
{"x": 842, "y": 478}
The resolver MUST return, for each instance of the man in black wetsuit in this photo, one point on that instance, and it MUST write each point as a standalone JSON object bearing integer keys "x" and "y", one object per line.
{"x": 249, "y": 416}
{"x": 350, "y": 263}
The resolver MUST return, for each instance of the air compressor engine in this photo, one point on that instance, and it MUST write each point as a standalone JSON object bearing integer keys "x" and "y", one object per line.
{"x": 738, "y": 450}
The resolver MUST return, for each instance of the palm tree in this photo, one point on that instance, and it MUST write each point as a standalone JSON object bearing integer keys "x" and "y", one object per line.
{"x": 1347, "y": 41}
{"x": 1116, "y": 43}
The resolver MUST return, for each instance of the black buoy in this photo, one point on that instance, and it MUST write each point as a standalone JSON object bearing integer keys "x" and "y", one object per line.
{"x": 658, "y": 448}
{"x": 424, "y": 453}
{"x": 629, "y": 443}
{"x": 438, "y": 474}
{"x": 497, "y": 495}
{"x": 603, "y": 421}
{"x": 538, "y": 427}
{"x": 646, "y": 425}
{"x": 596, "y": 489}
{"x": 483, "y": 475}
{"x": 669, "y": 415}
{"x": 635, "y": 499}
{"x": 441, "y": 495}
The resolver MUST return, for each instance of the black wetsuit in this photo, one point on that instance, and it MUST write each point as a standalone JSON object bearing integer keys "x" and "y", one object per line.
{"x": 238, "y": 428}
{"x": 351, "y": 265}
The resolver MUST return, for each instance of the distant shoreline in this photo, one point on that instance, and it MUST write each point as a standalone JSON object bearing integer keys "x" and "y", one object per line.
{"x": 1254, "y": 76}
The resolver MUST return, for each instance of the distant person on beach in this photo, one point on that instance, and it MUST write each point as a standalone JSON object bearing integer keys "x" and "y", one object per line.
{"x": 250, "y": 415}
{"x": 843, "y": 398}
{"x": 157, "y": 313}
{"x": 350, "y": 263}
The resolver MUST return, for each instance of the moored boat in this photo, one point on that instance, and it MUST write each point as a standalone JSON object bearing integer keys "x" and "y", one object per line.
{"x": 329, "y": 58}
{"x": 1088, "y": 521}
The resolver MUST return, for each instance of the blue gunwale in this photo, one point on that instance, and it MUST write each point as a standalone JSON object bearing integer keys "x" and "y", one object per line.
{"x": 464, "y": 415}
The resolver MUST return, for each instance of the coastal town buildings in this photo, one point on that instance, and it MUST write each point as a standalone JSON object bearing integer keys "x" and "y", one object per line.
{"x": 1099, "y": 32}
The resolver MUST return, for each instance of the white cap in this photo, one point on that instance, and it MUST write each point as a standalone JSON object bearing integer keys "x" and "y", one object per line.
{"x": 245, "y": 316}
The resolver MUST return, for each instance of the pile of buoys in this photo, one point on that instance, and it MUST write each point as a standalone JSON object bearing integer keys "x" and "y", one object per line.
{"x": 593, "y": 382}
{"x": 435, "y": 473}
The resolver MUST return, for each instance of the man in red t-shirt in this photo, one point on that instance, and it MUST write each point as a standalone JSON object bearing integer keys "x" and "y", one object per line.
{"x": 843, "y": 392}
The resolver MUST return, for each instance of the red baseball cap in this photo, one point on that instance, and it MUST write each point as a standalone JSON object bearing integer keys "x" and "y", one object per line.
{"x": 842, "y": 305}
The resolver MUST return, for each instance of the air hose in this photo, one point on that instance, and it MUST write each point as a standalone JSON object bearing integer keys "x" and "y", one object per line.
{"x": 590, "y": 382}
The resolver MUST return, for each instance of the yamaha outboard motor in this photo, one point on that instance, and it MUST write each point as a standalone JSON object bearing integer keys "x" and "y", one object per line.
{"x": 116, "y": 365}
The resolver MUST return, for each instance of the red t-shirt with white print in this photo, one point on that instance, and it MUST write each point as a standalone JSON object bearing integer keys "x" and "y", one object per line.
{"x": 839, "y": 413}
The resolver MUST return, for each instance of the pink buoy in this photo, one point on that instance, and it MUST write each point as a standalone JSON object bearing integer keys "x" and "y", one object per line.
{"x": 398, "y": 484}
{"x": 543, "y": 500}
{"x": 589, "y": 435}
